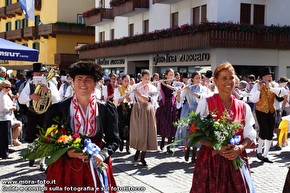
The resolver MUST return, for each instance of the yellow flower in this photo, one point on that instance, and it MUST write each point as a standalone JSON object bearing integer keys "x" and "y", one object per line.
{"x": 50, "y": 129}
{"x": 77, "y": 140}
{"x": 63, "y": 139}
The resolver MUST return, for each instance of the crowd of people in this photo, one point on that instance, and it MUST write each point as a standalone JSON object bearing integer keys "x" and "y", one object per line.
{"x": 139, "y": 109}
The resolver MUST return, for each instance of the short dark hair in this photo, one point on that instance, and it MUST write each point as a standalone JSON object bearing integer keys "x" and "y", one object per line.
{"x": 86, "y": 68}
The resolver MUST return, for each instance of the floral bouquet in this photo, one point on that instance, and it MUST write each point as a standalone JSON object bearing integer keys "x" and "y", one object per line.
{"x": 53, "y": 142}
{"x": 220, "y": 132}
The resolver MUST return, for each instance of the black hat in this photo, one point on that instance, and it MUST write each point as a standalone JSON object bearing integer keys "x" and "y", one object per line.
{"x": 265, "y": 71}
{"x": 39, "y": 67}
{"x": 208, "y": 74}
{"x": 29, "y": 74}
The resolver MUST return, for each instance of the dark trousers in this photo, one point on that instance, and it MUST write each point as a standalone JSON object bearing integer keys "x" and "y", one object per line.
{"x": 34, "y": 121}
{"x": 5, "y": 126}
{"x": 266, "y": 124}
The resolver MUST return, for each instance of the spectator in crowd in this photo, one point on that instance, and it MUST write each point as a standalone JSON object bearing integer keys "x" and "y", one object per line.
{"x": 7, "y": 111}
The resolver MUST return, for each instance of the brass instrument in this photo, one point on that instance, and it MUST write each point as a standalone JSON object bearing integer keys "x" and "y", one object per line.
{"x": 42, "y": 105}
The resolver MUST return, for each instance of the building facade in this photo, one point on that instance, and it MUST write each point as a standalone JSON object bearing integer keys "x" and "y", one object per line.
{"x": 190, "y": 35}
{"x": 58, "y": 28}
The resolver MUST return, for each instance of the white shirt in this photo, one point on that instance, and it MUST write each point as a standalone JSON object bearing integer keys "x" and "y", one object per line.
{"x": 24, "y": 96}
{"x": 249, "y": 131}
{"x": 6, "y": 112}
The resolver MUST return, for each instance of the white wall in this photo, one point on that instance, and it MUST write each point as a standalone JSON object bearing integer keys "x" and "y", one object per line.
{"x": 277, "y": 12}
{"x": 121, "y": 25}
{"x": 159, "y": 16}
{"x": 184, "y": 9}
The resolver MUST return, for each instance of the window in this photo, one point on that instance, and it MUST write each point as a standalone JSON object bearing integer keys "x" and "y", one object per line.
{"x": 174, "y": 19}
{"x": 199, "y": 14}
{"x": 36, "y": 45}
{"x": 131, "y": 29}
{"x": 259, "y": 14}
{"x": 146, "y": 26}
{"x": 245, "y": 16}
{"x": 25, "y": 44}
{"x": 102, "y": 36}
{"x": 252, "y": 14}
{"x": 112, "y": 34}
{"x": 203, "y": 14}
{"x": 18, "y": 24}
{"x": 8, "y": 26}
{"x": 24, "y": 23}
{"x": 195, "y": 16}
{"x": 80, "y": 19}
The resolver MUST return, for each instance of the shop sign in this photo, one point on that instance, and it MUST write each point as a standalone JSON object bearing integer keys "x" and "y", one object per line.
{"x": 110, "y": 61}
{"x": 187, "y": 57}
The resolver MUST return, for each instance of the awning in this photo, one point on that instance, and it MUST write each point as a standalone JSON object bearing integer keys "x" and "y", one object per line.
{"x": 13, "y": 51}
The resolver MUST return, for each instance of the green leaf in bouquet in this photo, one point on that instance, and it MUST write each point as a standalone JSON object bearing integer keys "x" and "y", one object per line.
{"x": 56, "y": 155}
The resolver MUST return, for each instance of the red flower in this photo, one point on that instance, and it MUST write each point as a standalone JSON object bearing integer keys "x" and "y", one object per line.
{"x": 63, "y": 131}
{"x": 47, "y": 139}
{"x": 75, "y": 135}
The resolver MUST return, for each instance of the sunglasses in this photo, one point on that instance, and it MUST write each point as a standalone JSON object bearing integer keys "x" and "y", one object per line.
{"x": 7, "y": 87}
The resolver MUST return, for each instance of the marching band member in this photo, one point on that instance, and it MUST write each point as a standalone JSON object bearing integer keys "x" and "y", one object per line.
{"x": 167, "y": 112}
{"x": 143, "y": 133}
{"x": 189, "y": 99}
{"x": 123, "y": 103}
{"x": 27, "y": 96}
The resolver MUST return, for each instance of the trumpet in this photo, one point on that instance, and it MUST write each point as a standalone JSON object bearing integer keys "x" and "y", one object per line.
{"x": 42, "y": 105}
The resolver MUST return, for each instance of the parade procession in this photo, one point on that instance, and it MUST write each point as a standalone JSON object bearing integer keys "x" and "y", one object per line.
{"x": 153, "y": 96}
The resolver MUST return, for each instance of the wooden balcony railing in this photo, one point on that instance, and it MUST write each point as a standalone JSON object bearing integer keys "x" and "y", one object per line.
{"x": 54, "y": 29}
{"x": 2, "y": 12}
{"x": 14, "y": 34}
{"x": 102, "y": 16}
{"x": 30, "y": 32}
{"x": 131, "y": 6}
{"x": 13, "y": 9}
{"x": 165, "y": 1}
{"x": 65, "y": 60}
{"x": 200, "y": 40}
{"x": 3, "y": 35}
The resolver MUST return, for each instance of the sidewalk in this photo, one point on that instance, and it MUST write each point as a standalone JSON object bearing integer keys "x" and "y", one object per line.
{"x": 166, "y": 173}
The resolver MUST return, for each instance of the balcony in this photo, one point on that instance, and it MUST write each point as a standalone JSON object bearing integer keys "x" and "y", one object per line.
{"x": 199, "y": 40}
{"x": 14, "y": 34}
{"x": 130, "y": 7}
{"x": 65, "y": 60}
{"x": 103, "y": 16}
{"x": 165, "y": 1}
{"x": 30, "y": 32}
{"x": 2, "y": 12}
{"x": 3, "y": 35}
{"x": 13, "y": 9}
{"x": 69, "y": 29}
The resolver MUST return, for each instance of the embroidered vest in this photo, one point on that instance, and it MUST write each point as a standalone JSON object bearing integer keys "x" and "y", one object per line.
{"x": 237, "y": 108}
{"x": 266, "y": 102}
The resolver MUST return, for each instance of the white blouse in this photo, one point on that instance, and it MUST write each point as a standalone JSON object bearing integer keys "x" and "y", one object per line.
{"x": 6, "y": 112}
{"x": 249, "y": 131}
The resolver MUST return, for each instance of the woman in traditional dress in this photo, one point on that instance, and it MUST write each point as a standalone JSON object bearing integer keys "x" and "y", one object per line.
{"x": 167, "y": 112}
{"x": 143, "y": 133}
{"x": 214, "y": 171}
{"x": 189, "y": 98}
{"x": 83, "y": 114}
{"x": 123, "y": 103}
